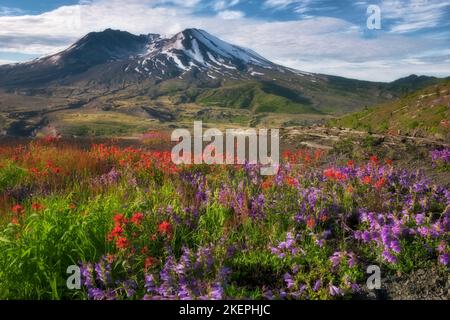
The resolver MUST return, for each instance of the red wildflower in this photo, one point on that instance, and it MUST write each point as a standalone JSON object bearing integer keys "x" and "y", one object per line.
{"x": 119, "y": 219}
{"x": 165, "y": 227}
{"x": 110, "y": 258}
{"x": 310, "y": 223}
{"x": 380, "y": 183}
{"x": 329, "y": 173}
{"x": 350, "y": 163}
{"x": 18, "y": 209}
{"x": 15, "y": 221}
{"x": 56, "y": 170}
{"x": 334, "y": 174}
{"x": 122, "y": 243}
{"x": 34, "y": 171}
{"x": 367, "y": 180}
{"x": 374, "y": 159}
{"x": 149, "y": 261}
{"x": 389, "y": 162}
{"x": 137, "y": 218}
{"x": 116, "y": 232}
{"x": 37, "y": 206}
{"x": 290, "y": 181}
{"x": 286, "y": 154}
{"x": 266, "y": 184}
{"x": 317, "y": 154}
{"x": 122, "y": 163}
{"x": 340, "y": 176}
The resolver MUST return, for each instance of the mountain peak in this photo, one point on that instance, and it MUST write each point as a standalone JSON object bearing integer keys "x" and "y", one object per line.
{"x": 208, "y": 50}
{"x": 192, "y": 53}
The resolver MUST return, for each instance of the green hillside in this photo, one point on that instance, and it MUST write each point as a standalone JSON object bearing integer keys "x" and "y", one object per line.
{"x": 257, "y": 97}
{"x": 424, "y": 113}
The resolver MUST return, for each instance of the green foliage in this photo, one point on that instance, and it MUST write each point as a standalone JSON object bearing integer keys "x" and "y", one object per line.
{"x": 11, "y": 175}
{"x": 35, "y": 255}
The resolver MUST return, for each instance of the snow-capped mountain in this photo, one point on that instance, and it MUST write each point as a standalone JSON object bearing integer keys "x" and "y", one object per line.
{"x": 113, "y": 54}
{"x": 197, "y": 49}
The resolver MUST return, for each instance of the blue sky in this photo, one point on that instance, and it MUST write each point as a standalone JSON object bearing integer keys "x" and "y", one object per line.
{"x": 322, "y": 36}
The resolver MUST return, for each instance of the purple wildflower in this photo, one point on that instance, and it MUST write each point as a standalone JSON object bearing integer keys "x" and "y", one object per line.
{"x": 289, "y": 281}
{"x": 444, "y": 259}
{"x": 317, "y": 285}
{"x": 335, "y": 291}
{"x": 389, "y": 257}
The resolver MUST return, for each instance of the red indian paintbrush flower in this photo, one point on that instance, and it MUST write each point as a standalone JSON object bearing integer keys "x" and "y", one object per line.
{"x": 380, "y": 183}
{"x": 311, "y": 223}
{"x": 374, "y": 159}
{"x": 350, "y": 163}
{"x": 137, "y": 218}
{"x": 149, "y": 262}
{"x": 119, "y": 219}
{"x": 122, "y": 243}
{"x": 367, "y": 180}
{"x": 18, "y": 209}
{"x": 333, "y": 174}
{"x": 165, "y": 227}
{"x": 37, "y": 206}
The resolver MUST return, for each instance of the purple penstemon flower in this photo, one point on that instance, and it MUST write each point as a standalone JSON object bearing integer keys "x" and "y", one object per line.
{"x": 216, "y": 292}
{"x": 87, "y": 276}
{"x": 290, "y": 283}
{"x": 335, "y": 291}
{"x": 103, "y": 272}
{"x": 389, "y": 257}
{"x": 129, "y": 288}
{"x": 317, "y": 285}
{"x": 440, "y": 156}
{"x": 395, "y": 246}
{"x": 96, "y": 294}
{"x": 336, "y": 259}
{"x": 424, "y": 231}
{"x": 352, "y": 260}
{"x": 149, "y": 283}
{"x": 268, "y": 295}
{"x": 444, "y": 259}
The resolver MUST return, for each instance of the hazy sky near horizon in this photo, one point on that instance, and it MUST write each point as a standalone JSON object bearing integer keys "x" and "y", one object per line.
{"x": 322, "y": 36}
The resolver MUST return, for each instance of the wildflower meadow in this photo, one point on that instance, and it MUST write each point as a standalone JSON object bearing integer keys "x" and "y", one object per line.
{"x": 139, "y": 227}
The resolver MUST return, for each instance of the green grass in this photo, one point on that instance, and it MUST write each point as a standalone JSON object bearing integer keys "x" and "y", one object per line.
{"x": 265, "y": 97}
{"x": 103, "y": 124}
{"x": 421, "y": 113}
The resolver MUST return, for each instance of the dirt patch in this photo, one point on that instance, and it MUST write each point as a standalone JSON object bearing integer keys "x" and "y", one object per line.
{"x": 421, "y": 284}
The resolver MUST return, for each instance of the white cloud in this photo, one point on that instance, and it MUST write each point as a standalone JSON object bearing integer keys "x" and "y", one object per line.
{"x": 413, "y": 15}
{"x": 375, "y": 70}
{"x": 8, "y": 11}
{"x": 230, "y": 14}
{"x": 181, "y": 3}
{"x": 223, "y": 4}
{"x": 6, "y": 61}
{"x": 279, "y": 3}
{"x": 324, "y": 45}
